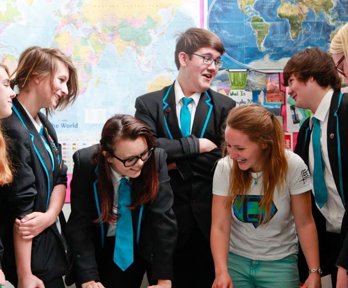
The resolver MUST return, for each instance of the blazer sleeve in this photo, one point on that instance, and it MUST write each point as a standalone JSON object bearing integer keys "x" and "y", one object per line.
{"x": 177, "y": 149}
{"x": 22, "y": 191}
{"x": 80, "y": 226}
{"x": 164, "y": 226}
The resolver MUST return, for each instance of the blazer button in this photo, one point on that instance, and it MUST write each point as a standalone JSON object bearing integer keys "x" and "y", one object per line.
{"x": 332, "y": 136}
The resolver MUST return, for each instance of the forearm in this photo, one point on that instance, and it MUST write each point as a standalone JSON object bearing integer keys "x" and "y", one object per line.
{"x": 308, "y": 238}
{"x": 56, "y": 203}
{"x": 219, "y": 242}
{"x": 22, "y": 250}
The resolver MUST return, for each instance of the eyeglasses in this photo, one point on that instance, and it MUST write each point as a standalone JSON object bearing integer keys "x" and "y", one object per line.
{"x": 131, "y": 161}
{"x": 339, "y": 69}
{"x": 208, "y": 60}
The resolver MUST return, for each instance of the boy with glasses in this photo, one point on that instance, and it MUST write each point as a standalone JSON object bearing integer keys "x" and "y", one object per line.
{"x": 314, "y": 83}
{"x": 187, "y": 119}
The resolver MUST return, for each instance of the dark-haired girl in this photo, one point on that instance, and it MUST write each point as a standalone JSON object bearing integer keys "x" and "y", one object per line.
{"x": 126, "y": 156}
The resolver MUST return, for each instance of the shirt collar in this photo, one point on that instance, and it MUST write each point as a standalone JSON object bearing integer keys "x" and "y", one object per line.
{"x": 115, "y": 176}
{"x": 37, "y": 124}
{"x": 323, "y": 107}
{"x": 179, "y": 94}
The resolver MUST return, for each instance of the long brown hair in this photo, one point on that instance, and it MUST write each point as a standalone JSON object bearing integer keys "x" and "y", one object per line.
{"x": 6, "y": 176}
{"x": 144, "y": 187}
{"x": 263, "y": 128}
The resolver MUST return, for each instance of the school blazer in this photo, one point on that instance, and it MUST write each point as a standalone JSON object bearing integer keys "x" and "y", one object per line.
{"x": 337, "y": 143}
{"x": 35, "y": 176}
{"x": 156, "y": 231}
{"x": 192, "y": 180}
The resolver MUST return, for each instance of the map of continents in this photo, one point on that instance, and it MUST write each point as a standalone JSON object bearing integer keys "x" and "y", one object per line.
{"x": 263, "y": 34}
{"x": 122, "y": 49}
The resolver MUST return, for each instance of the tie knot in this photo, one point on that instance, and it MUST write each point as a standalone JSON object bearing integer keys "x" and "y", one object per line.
{"x": 186, "y": 100}
{"x": 124, "y": 192}
{"x": 315, "y": 121}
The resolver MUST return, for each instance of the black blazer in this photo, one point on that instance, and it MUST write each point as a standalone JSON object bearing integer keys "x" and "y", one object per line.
{"x": 337, "y": 143}
{"x": 158, "y": 225}
{"x": 192, "y": 181}
{"x": 34, "y": 179}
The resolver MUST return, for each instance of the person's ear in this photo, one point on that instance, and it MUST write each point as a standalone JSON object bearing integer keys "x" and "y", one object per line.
{"x": 107, "y": 156}
{"x": 183, "y": 59}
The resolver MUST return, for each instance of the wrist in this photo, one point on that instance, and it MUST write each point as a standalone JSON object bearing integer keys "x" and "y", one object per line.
{"x": 315, "y": 270}
{"x": 164, "y": 283}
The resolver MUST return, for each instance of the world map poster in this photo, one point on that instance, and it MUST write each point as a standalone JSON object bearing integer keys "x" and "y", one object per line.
{"x": 264, "y": 34}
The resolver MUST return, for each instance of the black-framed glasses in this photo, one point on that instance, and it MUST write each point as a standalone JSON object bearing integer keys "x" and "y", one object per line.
{"x": 339, "y": 69}
{"x": 132, "y": 160}
{"x": 207, "y": 59}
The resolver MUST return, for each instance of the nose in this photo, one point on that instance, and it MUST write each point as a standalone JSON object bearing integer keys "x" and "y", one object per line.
{"x": 233, "y": 154}
{"x": 212, "y": 65}
{"x": 12, "y": 94}
{"x": 139, "y": 163}
{"x": 290, "y": 90}
{"x": 65, "y": 89}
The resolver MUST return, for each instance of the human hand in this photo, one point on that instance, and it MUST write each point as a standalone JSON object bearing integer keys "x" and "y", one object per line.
{"x": 33, "y": 224}
{"x": 342, "y": 278}
{"x": 2, "y": 278}
{"x": 171, "y": 166}
{"x": 223, "y": 280}
{"x": 162, "y": 284}
{"x": 313, "y": 281}
{"x": 92, "y": 284}
{"x": 30, "y": 281}
{"x": 205, "y": 145}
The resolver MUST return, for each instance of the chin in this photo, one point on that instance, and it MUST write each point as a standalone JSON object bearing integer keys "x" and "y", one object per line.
{"x": 134, "y": 174}
{"x": 243, "y": 167}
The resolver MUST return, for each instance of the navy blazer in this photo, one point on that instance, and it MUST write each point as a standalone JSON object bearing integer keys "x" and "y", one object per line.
{"x": 337, "y": 143}
{"x": 192, "y": 180}
{"x": 156, "y": 229}
{"x": 35, "y": 175}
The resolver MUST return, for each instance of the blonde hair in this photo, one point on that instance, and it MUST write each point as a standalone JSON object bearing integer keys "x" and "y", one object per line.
{"x": 263, "y": 128}
{"x": 40, "y": 62}
{"x": 6, "y": 176}
{"x": 339, "y": 43}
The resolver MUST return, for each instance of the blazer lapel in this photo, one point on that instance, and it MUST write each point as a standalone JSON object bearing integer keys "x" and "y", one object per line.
{"x": 202, "y": 115}
{"x": 39, "y": 147}
{"x": 169, "y": 112}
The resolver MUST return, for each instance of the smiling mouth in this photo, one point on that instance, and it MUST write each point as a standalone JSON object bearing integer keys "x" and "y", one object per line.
{"x": 208, "y": 76}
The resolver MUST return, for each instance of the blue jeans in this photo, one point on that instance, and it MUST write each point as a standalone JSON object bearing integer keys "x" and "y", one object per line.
{"x": 248, "y": 273}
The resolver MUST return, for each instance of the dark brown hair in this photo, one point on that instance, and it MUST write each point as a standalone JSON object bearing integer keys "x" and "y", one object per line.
{"x": 313, "y": 62}
{"x": 263, "y": 128}
{"x": 145, "y": 187}
{"x": 195, "y": 38}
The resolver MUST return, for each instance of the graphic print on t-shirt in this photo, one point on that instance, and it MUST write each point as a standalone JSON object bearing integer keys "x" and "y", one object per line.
{"x": 247, "y": 210}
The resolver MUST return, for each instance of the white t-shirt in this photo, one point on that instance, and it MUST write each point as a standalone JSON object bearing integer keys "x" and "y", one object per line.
{"x": 277, "y": 238}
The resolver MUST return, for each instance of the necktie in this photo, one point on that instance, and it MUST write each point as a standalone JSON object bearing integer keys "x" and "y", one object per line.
{"x": 185, "y": 117}
{"x": 320, "y": 189}
{"x": 123, "y": 251}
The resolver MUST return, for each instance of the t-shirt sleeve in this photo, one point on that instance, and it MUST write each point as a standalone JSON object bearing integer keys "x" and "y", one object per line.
{"x": 221, "y": 180}
{"x": 299, "y": 179}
